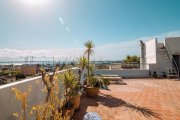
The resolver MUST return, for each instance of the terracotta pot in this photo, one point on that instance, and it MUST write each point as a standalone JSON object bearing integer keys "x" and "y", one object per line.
{"x": 91, "y": 91}
{"x": 76, "y": 100}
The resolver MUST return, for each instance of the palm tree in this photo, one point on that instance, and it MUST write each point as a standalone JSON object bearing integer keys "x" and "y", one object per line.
{"x": 82, "y": 64}
{"x": 89, "y": 50}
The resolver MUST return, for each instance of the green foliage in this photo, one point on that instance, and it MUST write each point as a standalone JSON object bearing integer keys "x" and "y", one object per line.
{"x": 82, "y": 62}
{"x": 7, "y": 72}
{"x": 133, "y": 58}
{"x": 89, "y": 50}
{"x": 71, "y": 83}
{"x": 91, "y": 69}
{"x": 89, "y": 47}
{"x": 20, "y": 76}
{"x": 97, "y": 82}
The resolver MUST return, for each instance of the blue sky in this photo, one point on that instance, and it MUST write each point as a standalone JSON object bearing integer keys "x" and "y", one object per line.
{"x": 66, "y": 24}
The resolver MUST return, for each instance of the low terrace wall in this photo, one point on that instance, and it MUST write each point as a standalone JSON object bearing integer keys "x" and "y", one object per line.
{"x": 126, "y": 73}
{"x": 9, "y": 104}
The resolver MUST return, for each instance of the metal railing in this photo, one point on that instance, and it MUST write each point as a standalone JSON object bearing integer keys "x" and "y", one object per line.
{"x": 173, "y": 60}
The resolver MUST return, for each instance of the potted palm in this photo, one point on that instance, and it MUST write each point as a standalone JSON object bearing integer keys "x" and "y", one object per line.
{"x": 72, "y": 91}
{"x": 89, "y": 51}
{"x": 93, "y": 83}
{"x": 76, "y": 97}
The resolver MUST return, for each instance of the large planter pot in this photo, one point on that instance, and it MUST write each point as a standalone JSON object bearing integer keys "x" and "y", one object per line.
{"x": 91, "y": 91}
{"x": 76, "y": 100}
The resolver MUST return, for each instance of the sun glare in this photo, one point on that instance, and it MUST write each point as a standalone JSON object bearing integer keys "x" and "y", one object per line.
{"x": 34, "y": 2}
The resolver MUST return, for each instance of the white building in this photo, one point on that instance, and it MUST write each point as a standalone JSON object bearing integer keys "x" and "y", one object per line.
{"x": 161, "y": 58}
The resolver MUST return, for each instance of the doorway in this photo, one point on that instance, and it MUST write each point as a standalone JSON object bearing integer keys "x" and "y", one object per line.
{"x": 177, "y": 60}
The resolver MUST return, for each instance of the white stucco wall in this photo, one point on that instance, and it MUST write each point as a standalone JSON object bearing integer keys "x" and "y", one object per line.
{"x": 153, "y": 60}
{"x": 8, "y": 103}
{"x": 173, "y": 44}
{"x": 83, "y": 76}
{"x": 151, "y": 47}
{"x": 130, "y": 73}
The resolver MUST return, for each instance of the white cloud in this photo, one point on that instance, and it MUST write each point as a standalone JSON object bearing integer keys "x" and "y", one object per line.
{"x": 131, "y": 47}
{"x": 114, "y": 51}
{"x": 161, "y": 37}
{"x": 61, "y": 20}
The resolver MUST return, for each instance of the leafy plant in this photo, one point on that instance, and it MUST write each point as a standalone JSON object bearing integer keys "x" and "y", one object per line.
{"x": 89, "y": 50}
{"x": 82, "y": 64}
{"x": 91, "y": 69}
{"x": 97, "y": 82}
{"x": 20, "y": 75}
{"x": 51, "y": 109}
{"x": 132, "y": 59}
{"x": 71, "y": 82}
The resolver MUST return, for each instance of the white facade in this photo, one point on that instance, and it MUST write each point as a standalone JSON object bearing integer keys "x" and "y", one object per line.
{"x": 173, "y": 44}
{"x": 154, "y": 55}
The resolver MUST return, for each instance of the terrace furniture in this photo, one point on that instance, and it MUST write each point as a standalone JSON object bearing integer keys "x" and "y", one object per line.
{"x": 117, "y": 79}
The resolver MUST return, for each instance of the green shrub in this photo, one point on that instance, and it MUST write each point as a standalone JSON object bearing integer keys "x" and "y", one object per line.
{"x": 20, "y": 76}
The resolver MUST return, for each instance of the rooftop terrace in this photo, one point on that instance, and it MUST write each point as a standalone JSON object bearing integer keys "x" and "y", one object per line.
{"x": 136, "y": 99}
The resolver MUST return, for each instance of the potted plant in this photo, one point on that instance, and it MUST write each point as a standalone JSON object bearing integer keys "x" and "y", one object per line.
{"x": 92, "y": 87}
{"x": 76, "y": 96}
{"x": 94, "y": 83}
{"x": 72, "y": 91}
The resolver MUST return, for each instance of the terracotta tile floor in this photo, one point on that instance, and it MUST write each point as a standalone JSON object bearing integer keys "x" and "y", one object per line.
{"x": 140, "y": 99}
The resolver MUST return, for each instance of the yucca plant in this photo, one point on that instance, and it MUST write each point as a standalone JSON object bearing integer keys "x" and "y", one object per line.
{"x": 82, "y": 63}
{"x": 91, "y": 69}
{"x": 71, "y": 83}
{"x": 72, "y": 89}
{"x": 89, "y": 51}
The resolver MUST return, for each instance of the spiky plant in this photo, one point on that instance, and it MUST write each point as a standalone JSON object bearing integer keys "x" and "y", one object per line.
{"x": 91, "y": 69}
{"x": 89, "y": 51}
{"x": 82, "y": 64}
{"x": 71, "y": 82}
{"x": 98, "y": 82}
